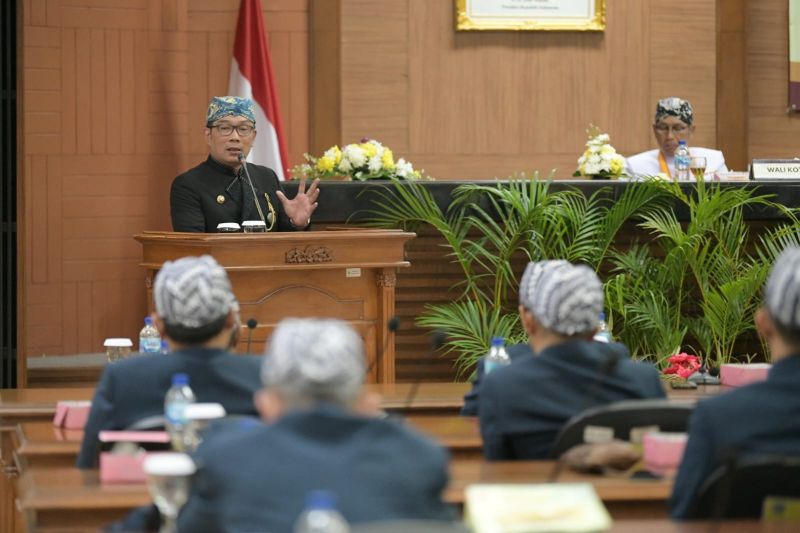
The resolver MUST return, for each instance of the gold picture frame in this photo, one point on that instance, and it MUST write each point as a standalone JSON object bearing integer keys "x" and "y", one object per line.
{"x": 531, "y": 15}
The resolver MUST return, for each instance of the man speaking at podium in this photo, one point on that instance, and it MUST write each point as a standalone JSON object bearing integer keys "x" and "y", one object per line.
{"x": 225, "y": 188}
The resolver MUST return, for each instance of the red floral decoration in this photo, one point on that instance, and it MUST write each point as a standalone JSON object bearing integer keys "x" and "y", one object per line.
{"x": 683, "y": 365}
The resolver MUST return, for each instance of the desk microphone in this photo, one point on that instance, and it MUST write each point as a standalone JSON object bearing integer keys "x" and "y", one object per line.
{"x": 438, "y": 339}
{"x": 392, "y": 325}
{"x": 253, "y": 189}
{"x": 705, "y": 375}
{"x": 251, "y": 325}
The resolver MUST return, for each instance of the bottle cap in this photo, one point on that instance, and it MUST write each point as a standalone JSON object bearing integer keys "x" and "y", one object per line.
{"x": 498, "y": 341}
{"x": 681, "y": 143}
{"x": 602, "y": 316}
{"x": 228, "y": 227}
{"x": 180, "y": 379}
{"x": 204, "y": 411}
{"x": 168, "y": 464}
{"x": 254, "y": 226}
{"x": 148, "y": 321}
{"x": 120, "y": 342}
{"x": 321, "y": 499}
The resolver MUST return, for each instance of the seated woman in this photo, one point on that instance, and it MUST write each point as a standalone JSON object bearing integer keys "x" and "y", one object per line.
{"x": 674, "y": 122}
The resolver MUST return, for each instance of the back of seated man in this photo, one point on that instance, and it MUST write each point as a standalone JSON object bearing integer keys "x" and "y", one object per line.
{"x": 674, "y": 122}
{"x": 197, "y": 313}
{"x": 323, "y": 434}
{"x": 519, "y": 351}
{"x": 524, "y": 405}
{"x": 759, "y": 419}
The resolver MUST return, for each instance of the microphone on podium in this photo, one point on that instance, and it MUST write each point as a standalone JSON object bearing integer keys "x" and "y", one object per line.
{"x": 251, "y": 325}
{"x": 268, "y": 219}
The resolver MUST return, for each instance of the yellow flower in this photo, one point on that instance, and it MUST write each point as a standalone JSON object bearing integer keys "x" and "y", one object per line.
{"x": 387, "y": 159}
{"x": 616, "y": 165}
{"x": 325, "y": 164}
{"x": 334, "y": 153}
{"x": 369, "y": 149}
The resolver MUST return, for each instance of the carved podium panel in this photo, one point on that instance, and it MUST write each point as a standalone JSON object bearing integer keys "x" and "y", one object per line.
{"x": 347, "y": 274}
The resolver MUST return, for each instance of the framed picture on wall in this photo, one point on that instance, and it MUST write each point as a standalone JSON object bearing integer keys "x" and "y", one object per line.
{"x": 531, "y": 15}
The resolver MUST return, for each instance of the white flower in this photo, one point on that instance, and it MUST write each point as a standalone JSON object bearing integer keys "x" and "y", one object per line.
{"x": 344, "y": 165}
{"x": 375, "y": 164}
{"x": 403, "y": 168}
{"x": 595, "y": 159}
{"x": 355, "y": 154}
{"x": 591, "y": 169}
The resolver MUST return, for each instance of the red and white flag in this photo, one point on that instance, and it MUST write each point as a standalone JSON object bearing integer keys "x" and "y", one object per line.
{"x": 251, "y": 77}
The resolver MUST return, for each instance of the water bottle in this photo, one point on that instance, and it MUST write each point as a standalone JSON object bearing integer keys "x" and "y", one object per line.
{"x": 497, "y": 355}
{"x": 164, "y": 346}
{"x": 320, "y": 515}
{"x": 603, "y": 333}
{"x": 149, "y": 339}
{"x": 682, "y": 161}
{"x": 178, "y": 397}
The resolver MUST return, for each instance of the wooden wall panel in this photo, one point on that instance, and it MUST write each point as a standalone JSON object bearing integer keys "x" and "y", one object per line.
{"x": 772, "y": 132}
{"x": 476, "y": 105}
{"x": 114, "y": 104}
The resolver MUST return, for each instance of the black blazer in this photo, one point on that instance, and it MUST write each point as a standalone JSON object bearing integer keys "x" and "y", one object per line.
{"x": 206, "y": 195}
{"x": 758, "y": 419}
{"x": 133, "y": 389}
{"x": 257, "y": 479}
{"x": 524, "y": 405}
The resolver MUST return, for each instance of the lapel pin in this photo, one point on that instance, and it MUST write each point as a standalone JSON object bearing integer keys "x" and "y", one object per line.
{"x": 220, "y": 199}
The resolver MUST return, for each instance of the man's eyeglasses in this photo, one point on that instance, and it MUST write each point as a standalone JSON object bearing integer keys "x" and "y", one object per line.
{"x": 244, "y": 130}
{"x": 678, "y": 129}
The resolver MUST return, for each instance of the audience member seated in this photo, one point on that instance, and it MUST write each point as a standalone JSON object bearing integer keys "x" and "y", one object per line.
{"x": 198, "y": 315}
{"x": 756, "y": 420}
{"x": 524, "y": 405}
{"x": 674, "y": 122}
{"x": 516, "y": 351}
{"x": 324, "y": 433}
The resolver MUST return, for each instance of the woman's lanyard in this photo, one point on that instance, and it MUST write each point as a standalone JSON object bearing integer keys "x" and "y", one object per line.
{"x": 663, "y": 164}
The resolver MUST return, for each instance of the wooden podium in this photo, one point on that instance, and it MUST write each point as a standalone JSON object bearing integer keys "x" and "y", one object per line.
{"x": 348, "y": 274}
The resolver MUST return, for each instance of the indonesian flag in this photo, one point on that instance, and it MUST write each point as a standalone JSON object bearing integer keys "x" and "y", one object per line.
{"x": 251, "y": 77}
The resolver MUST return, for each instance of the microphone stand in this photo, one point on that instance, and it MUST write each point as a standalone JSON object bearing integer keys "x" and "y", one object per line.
{"x": 251, "y": 325}
{"x": 252, "y": 189}
{"x": 437, "y": 341}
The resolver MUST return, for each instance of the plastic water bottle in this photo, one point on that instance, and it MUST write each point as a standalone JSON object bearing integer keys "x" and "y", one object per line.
{"x": 497, "y": 355}
{"x": 682, "y": 161}
{"x": 164, "y": 346}
{"x": 320, "y": 515}
{"x": 149, "y": 339}
{"x": 178, "y": 397}
{"x": 603, "y": 333}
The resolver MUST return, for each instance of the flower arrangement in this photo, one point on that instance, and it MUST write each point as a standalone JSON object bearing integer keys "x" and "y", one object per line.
{"x": 600, "y": 160}
{"x": 362, "y": 161}
{"x": 683, "y": 365}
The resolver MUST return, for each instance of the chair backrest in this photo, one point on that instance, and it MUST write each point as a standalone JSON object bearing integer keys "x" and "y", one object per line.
{"x": 737, "y": 489}
{"x": 622, "y": 418}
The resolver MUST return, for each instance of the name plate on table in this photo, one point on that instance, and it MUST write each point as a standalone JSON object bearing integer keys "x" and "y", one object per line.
{"x": 775, "y": 169}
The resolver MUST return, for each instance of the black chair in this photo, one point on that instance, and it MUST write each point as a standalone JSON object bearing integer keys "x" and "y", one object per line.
{"x": 737, "y": 489}
{"x": 622, "y": 417}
